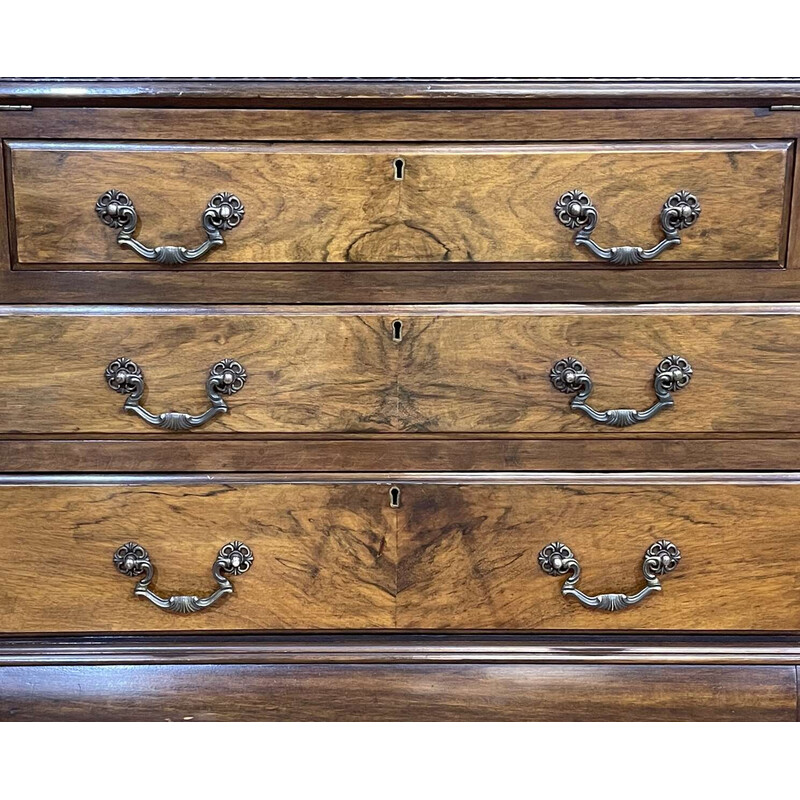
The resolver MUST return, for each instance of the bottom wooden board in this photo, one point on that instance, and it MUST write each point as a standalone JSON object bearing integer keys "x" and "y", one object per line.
{"x": 401, "y": 692}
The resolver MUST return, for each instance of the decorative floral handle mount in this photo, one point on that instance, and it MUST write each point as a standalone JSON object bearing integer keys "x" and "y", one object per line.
{"x": 223, "y": 212}
{"x": 574, "y": 210}
{"x": 660, "y": 558}
{"x": 132, "y": 559}
{"x": 225, "y": 377}
{"x": 568, "y": 375}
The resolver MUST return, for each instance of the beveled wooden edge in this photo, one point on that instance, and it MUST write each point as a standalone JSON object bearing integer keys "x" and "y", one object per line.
{"x": 397, "y": 648}
{"x": 410, "y": 478}
{"x": 415, "y": 309}
{"x": 399, "y": 92}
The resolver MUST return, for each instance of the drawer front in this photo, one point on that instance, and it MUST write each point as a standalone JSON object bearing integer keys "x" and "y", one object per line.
{"x": 491, "y": 373}
{"x": 469, "y": 555}
{"x": 323, "y": 556}
{"x": 379, "y": 204}
{"x": 304, "y": 374}
{"x": 338, "y": 371}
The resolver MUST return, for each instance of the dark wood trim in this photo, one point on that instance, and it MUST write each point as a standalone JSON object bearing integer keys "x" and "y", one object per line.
{"x": 428, "y": 125}
{"x": 410, "y": 478}
{"x": 403, "y": 286}
{"x": 383, "y": 454}
{"x": 435, "y": 692}
{"x": 400, "y": 92}
{"x": 394, "y": 648}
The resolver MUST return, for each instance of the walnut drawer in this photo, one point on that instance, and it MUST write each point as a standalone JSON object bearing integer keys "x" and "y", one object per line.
{"x": 315, "y": 204}
{"x": 455, "y": 552}
{"x": 453, "y": 370}
{"x": 469, "y": 554}
{"x": 323, "y": 554}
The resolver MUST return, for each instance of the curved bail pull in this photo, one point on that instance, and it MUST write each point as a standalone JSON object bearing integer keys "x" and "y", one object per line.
{"x": 569, "y": 375}
{"x": 575, "y": 211}
{"x": 132, "y": 559}
{"x": 223, "y": 212}
{"x": 660, "y": 558}
{"x": 226, "y": 377}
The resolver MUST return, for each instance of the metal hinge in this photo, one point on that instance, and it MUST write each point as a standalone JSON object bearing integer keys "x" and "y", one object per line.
{"x": 16, "y": 108}
{"x": 784, "y": 108}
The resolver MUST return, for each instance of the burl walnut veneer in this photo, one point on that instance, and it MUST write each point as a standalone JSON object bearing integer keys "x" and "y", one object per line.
{"x": 390, "y": 400}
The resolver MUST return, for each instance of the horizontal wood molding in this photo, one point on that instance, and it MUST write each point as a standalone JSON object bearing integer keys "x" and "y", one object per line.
{"x": 398, "y": 692}
{"x": 385, "y": 454}
{"x": 398, "y": 648}
{"x": 398, "y": 92}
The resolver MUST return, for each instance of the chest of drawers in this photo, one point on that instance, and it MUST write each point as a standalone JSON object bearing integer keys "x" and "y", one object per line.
{"x": 399, "y": 400}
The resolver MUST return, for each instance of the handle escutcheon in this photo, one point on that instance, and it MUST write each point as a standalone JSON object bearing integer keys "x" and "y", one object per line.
{"x": 226, "y": 377}
{"x": 660, "y": 558}
{"x": 569, "y": 375}
{"x": 574, "y": 210}
{"x": 132, "y": 559}
{"x": 223, "y": 212}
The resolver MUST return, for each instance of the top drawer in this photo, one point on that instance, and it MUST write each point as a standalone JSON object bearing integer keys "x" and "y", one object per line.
{"x": 400, "y": 204}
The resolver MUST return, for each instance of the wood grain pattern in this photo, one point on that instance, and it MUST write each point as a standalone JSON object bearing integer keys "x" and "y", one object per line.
{"x": 342, "y": 204}
{"x": 398, "y": 692}
{"x": 400, "y": 92}
{"x": 387, "y": 453}
{"x": 305, "y": 373}
{"x": 324, "y": 556}
{"x": 325, "y": 371}
{"x": 490, "y": 373}
{"x": 468, "y": 556}
{"x": 410, "y": 125}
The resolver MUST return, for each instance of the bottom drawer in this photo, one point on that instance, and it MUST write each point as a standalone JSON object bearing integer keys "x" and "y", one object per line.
{"x": 436, "y": 552}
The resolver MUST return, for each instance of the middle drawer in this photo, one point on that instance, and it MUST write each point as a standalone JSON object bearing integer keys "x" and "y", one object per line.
{"x": 438, "y": 371}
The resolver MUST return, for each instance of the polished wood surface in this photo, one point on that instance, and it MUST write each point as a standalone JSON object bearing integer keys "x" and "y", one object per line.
{"x": 460, "y": 553}
{"x": 490, "y": 373}
{"x": 508, "y": 692}
{"x": 454, "y": 203}
{"x": 403, "y": 648}
{"x": 324, "y": 556}
{"x": 467, "y": 556}
{"x": 338, "y": 413}
{"x": 387, "y": 453}
{"x": 400, "y": 92}
{"x": 453, "y": 372}
{"x": 324, "y": 372}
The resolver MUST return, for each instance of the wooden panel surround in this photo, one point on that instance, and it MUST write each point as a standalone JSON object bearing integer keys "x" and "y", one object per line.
{"x": 397, "y": 459}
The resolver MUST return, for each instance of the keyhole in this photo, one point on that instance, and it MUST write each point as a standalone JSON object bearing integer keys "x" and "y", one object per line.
{"x": 397, "y": 331}
{"x": 399, "y": 167}
{"x": 394, "y": 497}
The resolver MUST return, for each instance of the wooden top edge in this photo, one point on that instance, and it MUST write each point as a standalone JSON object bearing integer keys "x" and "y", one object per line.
{"x": 400, "y": 92}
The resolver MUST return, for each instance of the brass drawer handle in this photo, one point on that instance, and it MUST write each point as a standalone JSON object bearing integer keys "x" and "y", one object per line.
{"x": 223, "y": 212}
{"x": 659, "y": 559}
{"x": 570, "y": 376}
{"x": 132, "y": 559}
{"x": 225, "y": 377}
{"x": 575, "y": 210}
